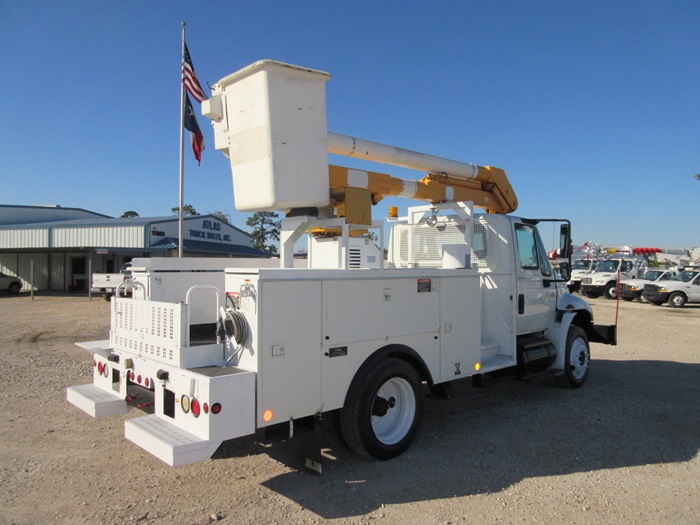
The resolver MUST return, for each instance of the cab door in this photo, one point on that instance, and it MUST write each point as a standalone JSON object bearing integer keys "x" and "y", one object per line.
{"x": 694, "y": 291}
{"x": 536, "y": 296}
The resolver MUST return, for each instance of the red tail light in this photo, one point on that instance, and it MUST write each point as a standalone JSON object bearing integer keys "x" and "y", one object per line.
{"x": 195, "y": 407}
{"x": 216, "y": 408}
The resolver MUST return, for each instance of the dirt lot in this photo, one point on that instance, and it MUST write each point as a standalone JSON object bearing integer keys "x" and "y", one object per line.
{"x": 623, "y": 449}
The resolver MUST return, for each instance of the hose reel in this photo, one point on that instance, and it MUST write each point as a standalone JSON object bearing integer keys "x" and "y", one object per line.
{"x": 236, "y": 326}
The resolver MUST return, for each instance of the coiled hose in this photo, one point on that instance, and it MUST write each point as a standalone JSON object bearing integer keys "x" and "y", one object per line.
{"x": 236, "y": 328}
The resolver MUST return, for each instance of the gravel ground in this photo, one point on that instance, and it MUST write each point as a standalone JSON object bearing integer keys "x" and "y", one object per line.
{"x": 622, "y": 449}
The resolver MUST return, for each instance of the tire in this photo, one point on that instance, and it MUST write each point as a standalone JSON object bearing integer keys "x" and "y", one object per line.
{"x": 591, "y": 295}
{"x": 107, "y": 296}
{"x": 642, "y": 299}
{"x": 628, "y": 299}
{"x": 610, "y": 291}
{"x": 656, "y": 303}
{"x": 677, "y": 300}
{"x": 14, "y": 288}
{"x": 577, "y": 357}
{"x": 383, "y": 410}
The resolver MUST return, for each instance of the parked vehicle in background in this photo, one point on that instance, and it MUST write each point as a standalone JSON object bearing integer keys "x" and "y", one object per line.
{"x": 632, "y": 289}
{"x": 10, "y": 284}
{"x": 604, "y": 280}
{"x": 682, "y": 289}
{"x": 106, "y": 283}
{"x": 578, "y": 269}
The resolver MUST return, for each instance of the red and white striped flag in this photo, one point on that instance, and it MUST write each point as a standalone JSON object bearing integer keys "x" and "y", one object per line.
{"x": 189, "y": 78}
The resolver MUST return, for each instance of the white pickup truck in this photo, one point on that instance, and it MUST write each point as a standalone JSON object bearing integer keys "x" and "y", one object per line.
{"x": 107, "y": 283}
{"x": 632, "y": 289}
{"x": 682, "y": 289}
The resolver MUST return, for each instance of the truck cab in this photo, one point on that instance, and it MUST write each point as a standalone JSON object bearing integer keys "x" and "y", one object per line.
{"x": 579, "y": 268}
{"x": 604, "y": 281}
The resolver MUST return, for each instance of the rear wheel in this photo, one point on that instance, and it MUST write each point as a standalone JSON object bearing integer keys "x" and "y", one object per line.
{"x": 577, "y": 358}
{"x": 14, "y": 288}
{"x": 677, "y": 300}
{"x": 383, "y": 411}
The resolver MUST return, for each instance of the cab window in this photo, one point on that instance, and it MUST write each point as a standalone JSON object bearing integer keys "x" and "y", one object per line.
{"x": 531, "y": 250}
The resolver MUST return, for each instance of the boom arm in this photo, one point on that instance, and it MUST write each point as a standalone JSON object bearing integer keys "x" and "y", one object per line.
{"x": 447, "y": 180}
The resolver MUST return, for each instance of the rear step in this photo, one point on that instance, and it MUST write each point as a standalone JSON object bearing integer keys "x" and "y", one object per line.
{"x": 96, "y": 401}
{"x": 168, "y": 442}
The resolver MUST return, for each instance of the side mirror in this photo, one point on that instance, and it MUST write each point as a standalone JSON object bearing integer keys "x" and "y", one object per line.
{"x": 565, "y": 270}
{"x": 565, "y": 241}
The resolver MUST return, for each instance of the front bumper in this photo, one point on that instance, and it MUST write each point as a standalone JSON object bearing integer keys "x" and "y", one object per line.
{"x": 655, "y": 297}
{"x": 593, "y": 288}
{"x": 628, "y": 294}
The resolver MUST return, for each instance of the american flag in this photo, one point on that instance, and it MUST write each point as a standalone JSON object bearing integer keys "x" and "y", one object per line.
{"x": 189, "y": 78}
{"x": 192, "y": 126}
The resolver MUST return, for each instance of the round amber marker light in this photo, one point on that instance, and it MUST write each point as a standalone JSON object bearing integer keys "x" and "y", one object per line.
{"x": 267, "y": 415}
{"x": 477, "y": 367}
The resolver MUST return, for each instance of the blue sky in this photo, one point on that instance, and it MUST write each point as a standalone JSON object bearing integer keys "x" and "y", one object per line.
{"x": 591, "y": 108}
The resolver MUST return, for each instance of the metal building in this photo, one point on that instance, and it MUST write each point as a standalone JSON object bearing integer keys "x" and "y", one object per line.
{"x": 55, "y": 248}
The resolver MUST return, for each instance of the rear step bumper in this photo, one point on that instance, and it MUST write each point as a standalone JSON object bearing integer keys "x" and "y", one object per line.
{"x": 168, "y": 442}
{"x": 96, "y": 401}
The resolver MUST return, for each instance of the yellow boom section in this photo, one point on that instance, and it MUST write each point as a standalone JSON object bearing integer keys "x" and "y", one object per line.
{"x": 354, "y": 191}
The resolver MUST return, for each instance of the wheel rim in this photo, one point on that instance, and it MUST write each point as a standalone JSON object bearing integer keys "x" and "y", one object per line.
{"x": 578, "y": 359}
{"x": 677, "y": 300}
{"x": 393, "y": 411}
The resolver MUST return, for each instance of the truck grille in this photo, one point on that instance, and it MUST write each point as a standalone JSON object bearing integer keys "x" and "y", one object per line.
{"x": 586, "y": 280}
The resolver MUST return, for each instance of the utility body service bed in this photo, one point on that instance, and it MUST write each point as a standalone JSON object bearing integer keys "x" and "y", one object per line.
{"x": 216, "y": 349}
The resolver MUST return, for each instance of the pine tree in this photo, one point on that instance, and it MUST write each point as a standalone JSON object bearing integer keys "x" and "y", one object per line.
{"x": 266, "y": 226}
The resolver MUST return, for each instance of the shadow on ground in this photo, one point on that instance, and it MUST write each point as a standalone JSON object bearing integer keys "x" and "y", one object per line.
{"x": 630, "y": 413}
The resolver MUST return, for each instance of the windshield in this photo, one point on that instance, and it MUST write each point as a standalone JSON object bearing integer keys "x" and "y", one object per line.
{"x": 581, "y": 264}
{"x": 685, "y": 276}
{"x": 652, "y": 275}
{"x": 608, "y": 266}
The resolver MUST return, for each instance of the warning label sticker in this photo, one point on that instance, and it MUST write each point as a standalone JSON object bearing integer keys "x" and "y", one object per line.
{"x": 424, "y": 285}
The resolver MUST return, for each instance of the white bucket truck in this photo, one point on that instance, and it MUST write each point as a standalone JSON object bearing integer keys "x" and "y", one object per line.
{"x": 349, "y": 336}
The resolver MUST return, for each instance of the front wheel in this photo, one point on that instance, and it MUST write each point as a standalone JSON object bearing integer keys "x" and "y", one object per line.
{"x": 677, "y": 300}
{"x": 14, "y": 288}
{"x": 383, "y": 410}
{"x": 577, "y": 358}
{"x": 610, "y": 291}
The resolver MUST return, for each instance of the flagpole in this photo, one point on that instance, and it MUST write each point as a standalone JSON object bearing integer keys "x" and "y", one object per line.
{"x": 182, "y": 150}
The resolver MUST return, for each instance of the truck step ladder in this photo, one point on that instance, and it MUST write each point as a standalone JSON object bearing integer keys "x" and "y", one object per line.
{"x": 168, "y": 442}
{"x": 96, "y": 401}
